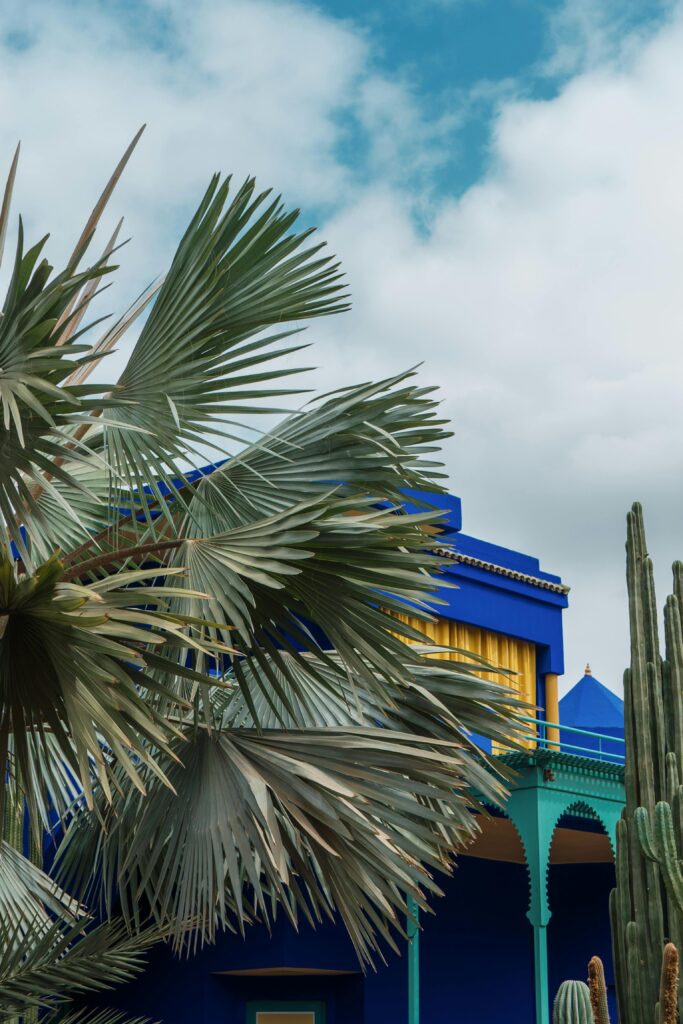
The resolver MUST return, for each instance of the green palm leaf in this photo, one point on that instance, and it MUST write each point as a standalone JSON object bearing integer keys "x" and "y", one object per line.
{"x": 374, "y": 438}
{"x": 440, "y": 699}
{"x": 37, "y": 410}
{"x": 60, "y": 962}
{"x": 29, "y": 899}
{"x": 95, "y": 1017}
{"x": 198, "y": 361}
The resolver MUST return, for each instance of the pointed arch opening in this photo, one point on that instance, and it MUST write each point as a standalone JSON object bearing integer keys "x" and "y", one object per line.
{"x": 580, "y": 836}
{"x": 580, "y": 877}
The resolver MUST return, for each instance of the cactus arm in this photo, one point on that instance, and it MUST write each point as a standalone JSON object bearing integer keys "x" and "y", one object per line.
{"x": 618, "y": 955}
{"x": 673, "y": 635}
{"x": 656, "y": 695}
{"x": 672, "y": 778}
{"x": 668, "y": 860}
{"x": 640, "y": 598}
{"x": 646, "y": 837}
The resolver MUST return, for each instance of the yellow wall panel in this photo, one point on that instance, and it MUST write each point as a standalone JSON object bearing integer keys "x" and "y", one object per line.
{"x": 519, "y": 656}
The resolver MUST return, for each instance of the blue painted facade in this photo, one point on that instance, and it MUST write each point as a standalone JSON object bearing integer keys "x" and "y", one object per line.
{"x": 504, "y": 601}
{"x": 476, "y": 952}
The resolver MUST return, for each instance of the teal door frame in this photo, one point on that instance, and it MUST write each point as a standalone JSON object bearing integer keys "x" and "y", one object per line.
{"x": 285, "y": 1006}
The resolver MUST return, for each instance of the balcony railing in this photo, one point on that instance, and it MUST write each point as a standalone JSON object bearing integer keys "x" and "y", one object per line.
{"x": 569, "y": 740}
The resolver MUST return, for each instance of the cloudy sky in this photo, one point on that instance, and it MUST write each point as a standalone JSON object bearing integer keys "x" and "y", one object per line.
{"x": 503, "y": 181}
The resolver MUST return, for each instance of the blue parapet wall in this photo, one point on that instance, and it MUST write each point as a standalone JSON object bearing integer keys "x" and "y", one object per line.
{"x": 498, "y": 589}
{"x": 504, "y": 604}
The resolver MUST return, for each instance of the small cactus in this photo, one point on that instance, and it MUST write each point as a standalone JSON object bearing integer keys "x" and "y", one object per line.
{"x": 573, "y": 1004}
{"x": 598, "y": 991}
{"x": 668, "y": 989}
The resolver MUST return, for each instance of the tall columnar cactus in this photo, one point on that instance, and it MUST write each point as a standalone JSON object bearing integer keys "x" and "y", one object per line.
{"x": 646, "y": 907}
{"x": 572, "y": 1004}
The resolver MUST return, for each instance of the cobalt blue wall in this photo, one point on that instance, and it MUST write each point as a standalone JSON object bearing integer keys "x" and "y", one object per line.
{"x": 189, "y": 990}
{"x": 479, "y": 932}
{"x": 476, "y": 953}
{"x": 180, "y": 991}
{"x": 509, "y": 606}
{"x": 494, "y": 601}
{"x": 579, "y": 927}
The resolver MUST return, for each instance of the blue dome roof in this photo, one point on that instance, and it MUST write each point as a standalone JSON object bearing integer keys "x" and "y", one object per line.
{"x": 590, "y": 705}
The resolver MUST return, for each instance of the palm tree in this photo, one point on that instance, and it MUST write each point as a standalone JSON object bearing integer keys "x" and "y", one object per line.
{"x": 207, "y": 698}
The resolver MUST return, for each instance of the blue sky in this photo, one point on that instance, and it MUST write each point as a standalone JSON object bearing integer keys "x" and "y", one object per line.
{"x": 466, "y": 54}
{"x": 501, "y": 180}
{"x": 463, "y": 56}
{"x": 460, "y": 55}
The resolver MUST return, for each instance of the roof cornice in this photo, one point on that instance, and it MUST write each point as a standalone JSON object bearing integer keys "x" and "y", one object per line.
{"x": 501, "y": 570}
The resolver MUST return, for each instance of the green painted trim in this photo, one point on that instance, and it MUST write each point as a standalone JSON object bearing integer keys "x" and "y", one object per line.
{"x": 413, "y": 930}
{"x": 285, "y": 1006}
{"x": 571, "y": 764}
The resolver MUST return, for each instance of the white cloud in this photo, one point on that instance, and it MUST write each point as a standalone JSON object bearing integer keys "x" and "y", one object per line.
{"x": 545, "y": 300}
{"x": 251, "y": 86}
{"x": 547, "y": 303}
{"x": 585, "y": 34}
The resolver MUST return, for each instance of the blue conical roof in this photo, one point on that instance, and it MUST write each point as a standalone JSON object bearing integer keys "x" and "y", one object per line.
{"x": 590, "y": 705}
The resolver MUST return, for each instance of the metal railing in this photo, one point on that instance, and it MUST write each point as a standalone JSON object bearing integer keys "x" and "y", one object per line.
{"x": 568, "y": 739}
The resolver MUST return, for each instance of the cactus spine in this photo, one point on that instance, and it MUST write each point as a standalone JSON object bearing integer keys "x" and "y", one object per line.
{"x": 646, "y": 907}
{"x": 598, "y": 991}
{"x": 572, "y": 1004}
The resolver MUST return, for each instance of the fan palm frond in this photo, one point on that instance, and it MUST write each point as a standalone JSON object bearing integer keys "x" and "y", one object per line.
{"x": 59, "y": 962}
{"x": 200, "y": 357}
{"x": 205, "y": 676}
{"x": 83, "y": 653}
{"x": 374, "y": 439}
{"x": 95, "y": 1016}
{"x": 350, "y": 817}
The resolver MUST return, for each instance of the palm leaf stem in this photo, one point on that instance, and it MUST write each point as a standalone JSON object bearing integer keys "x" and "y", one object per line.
{"x": 109, "y": 559}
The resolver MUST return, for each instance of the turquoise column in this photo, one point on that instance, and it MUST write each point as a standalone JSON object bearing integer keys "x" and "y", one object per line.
{"x": 541, "y": 972}
{"x": 534, "y": 819}
{"x": 413, "y": 930}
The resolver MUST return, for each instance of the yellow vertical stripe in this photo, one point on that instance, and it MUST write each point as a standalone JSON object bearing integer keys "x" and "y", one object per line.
{"x": 518, "y": 656}
{"x": 552, "y": 706}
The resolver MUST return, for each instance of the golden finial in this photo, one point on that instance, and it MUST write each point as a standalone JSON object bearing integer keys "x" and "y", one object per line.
{"x": 587, "y": 670}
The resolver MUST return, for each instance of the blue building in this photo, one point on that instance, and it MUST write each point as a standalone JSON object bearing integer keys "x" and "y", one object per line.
{"x": 527, "y": 904}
